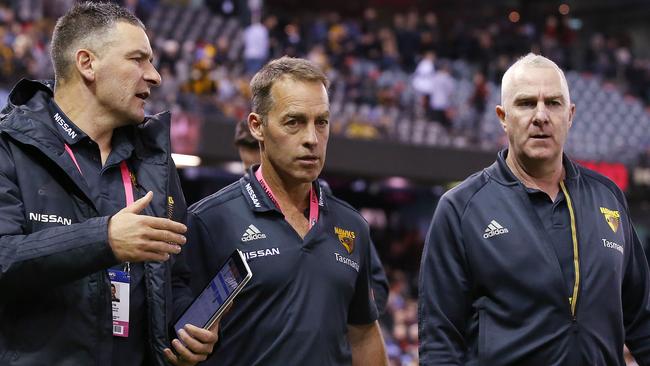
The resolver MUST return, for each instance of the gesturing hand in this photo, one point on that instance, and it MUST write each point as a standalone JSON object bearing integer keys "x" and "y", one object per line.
{"x": 137, "y": 238}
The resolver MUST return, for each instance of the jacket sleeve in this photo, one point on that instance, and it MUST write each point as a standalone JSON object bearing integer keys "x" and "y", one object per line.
{"x": 48, "y": 257}
{"x": 444, "y": 291}
{"x": 379, "y": 282}
{"x": 181, "y": 273}
{"x": 636, "y": 300}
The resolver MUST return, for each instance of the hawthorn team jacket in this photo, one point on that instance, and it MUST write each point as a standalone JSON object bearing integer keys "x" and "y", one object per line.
{"x": 55, "y": 303}
{"x": 495, "y": 294}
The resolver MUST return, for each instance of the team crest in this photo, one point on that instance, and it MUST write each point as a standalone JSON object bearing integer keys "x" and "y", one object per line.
{"x": 612, "y": 217}
{"x": 346, "y": 237}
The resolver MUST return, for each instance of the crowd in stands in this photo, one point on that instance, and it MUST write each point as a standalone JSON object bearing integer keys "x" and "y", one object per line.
{"x": 384, "y": 69}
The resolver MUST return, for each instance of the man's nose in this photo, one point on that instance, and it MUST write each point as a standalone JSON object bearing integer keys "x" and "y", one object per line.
{"x": 152, "y": 76}
{"x": 310, "y": 136}
{"x": 541, "y": 113}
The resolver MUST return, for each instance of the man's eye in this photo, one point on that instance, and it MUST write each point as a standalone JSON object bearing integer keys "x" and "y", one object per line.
{"x": 323, "y": 122}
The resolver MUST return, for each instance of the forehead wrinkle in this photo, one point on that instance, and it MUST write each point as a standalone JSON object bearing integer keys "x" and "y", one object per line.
{"x": 527, "y": 96}
{"x": 515, "y": 73}
{"x": 303, "y": 115}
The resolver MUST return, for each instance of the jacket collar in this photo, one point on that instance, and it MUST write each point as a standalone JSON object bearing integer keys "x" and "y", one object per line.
{"x": 259, "y": 201}
{"x": 30, "y": 116}
{"x": 500, "y": 171}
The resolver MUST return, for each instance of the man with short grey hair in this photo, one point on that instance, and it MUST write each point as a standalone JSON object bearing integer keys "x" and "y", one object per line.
{"x": 534, "y": 260}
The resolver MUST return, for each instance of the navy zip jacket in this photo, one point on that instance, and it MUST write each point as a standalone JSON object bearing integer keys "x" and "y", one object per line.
{"x": 55, "y": 302}
{"x": 494, "y": 294}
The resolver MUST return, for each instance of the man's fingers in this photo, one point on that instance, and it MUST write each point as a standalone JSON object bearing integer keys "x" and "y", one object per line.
{"x": 184, "y": 352}
{"x": 139, "y": 205}
{"x": 161, "y": 247}
{"x": 164, "y": 224}
{"x": 193, "y": 344}
{"x": 207, "y": 336}
{"x": 164, "y": 236}
{"x": 171, "y": 357}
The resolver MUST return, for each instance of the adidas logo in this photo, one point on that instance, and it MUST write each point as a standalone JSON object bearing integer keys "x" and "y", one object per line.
{"x": 494, "y": 228}
{"x": 252, "y": 233}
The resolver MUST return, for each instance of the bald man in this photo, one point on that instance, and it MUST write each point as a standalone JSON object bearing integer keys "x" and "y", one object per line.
{"x": 534, "y": 260}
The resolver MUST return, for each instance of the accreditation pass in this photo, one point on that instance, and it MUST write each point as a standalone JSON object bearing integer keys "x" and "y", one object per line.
{"x": 120, "y": 301}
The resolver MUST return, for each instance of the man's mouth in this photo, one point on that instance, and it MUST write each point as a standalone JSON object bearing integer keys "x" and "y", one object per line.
{"x": 143, "y": 95}
{"x": 309, "y": 158}
{"x": 540, "y": 136}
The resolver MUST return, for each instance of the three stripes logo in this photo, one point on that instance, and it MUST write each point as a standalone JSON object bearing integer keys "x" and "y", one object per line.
{"x": 494, "y": 228}
{"x": 252, "y": 233}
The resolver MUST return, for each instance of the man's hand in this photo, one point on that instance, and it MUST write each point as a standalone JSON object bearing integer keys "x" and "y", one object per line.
{"x": 198, "y": 345}
{"x": 138, "y": 238}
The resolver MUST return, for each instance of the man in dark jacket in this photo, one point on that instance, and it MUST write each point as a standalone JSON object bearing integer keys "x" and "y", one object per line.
{"x": 534, "y": 260}
{"x": 70, "y": 161}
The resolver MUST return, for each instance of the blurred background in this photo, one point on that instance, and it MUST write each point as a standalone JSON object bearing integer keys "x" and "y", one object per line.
{"x": 414, "y": 86}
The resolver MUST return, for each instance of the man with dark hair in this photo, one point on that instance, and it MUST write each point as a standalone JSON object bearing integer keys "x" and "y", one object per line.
{"x": 534, "y": 260}
{"x": 71, "y": 158}
{"x": 247, "y": 147}
{"x": 309, "y": 301}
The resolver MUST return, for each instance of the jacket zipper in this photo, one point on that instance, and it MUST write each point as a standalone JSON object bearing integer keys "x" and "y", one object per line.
{"x": 576, "y": 256}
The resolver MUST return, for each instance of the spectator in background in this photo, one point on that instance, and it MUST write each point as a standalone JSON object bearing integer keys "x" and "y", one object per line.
{"x": 256, "y": 46}
{"x": 185, "y": 132}
{"x": 478, "y": 101}
{"x": 424, "y": 72}
{"x": 441, "y": 92}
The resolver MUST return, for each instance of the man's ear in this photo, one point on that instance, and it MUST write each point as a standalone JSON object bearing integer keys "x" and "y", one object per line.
{"x": 501, "y": 113}
{"x": 84, "y": 61}
{"x": 255, "y": 125}
{"x": 572, "y": 113}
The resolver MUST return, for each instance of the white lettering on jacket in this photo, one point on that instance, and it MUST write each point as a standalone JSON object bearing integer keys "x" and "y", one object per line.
{"x": 65, "y": 126}
{"x": 612, "y": 245}
{"x": 262, "y": 253}
{"x": 49, "y": 218}
{"x": 348, "y": 261}
{"x": 249, "y": 189}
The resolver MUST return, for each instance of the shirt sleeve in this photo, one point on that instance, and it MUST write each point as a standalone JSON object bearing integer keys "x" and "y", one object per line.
{"x": 362, "y": 309}
{"x": 378, "y": 280}
{"x": 203, "y": 254}
{"x": 444, "y": 291}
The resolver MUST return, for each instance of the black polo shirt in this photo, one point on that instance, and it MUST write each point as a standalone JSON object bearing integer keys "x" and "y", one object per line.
{"x": 303, "y": 293}
{"x": 108, "y": 195}
{"x": 556, "y": 219}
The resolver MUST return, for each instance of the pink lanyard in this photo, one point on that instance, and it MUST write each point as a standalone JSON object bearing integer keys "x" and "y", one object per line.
{"x": 313, "y": 201}
{"x": 126, "y": 176}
